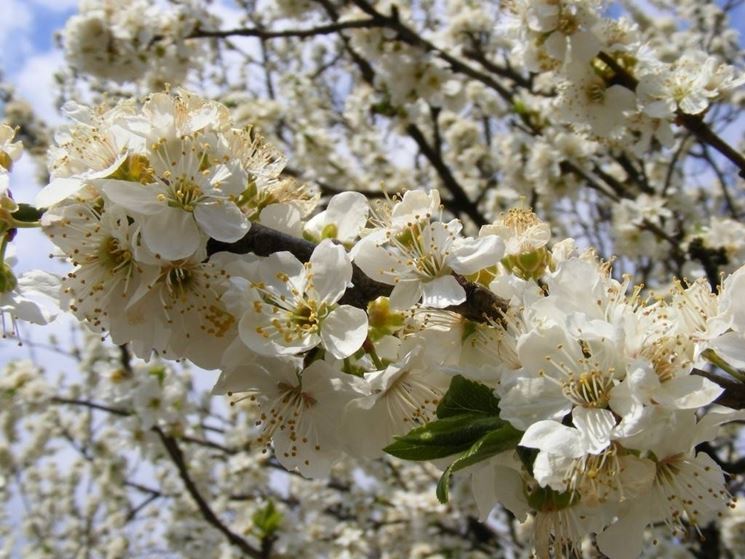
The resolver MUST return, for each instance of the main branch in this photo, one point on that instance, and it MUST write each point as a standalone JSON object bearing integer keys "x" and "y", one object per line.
{"x": 481, "y": 305}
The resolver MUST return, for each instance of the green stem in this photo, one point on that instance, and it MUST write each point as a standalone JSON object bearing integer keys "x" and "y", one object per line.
{"x": 711, "y": 356}
{"x": 369, "y": 348}
{"x": 15, "y": 224}
{"x": 3, "y": 246}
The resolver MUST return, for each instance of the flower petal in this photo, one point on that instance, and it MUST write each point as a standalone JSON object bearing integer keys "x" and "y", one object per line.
{"x": 172, "y": 234}
{"x": 442, "y": 292}
{"x": 224, "y": 222}
{"x": 344, "y": 330}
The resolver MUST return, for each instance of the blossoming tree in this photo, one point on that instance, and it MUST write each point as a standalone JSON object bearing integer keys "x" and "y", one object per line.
{"x": 469, "y": 273}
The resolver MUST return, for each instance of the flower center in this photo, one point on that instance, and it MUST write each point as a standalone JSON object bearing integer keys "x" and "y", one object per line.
{"x": 113, "y": 255}
{"x": 184, "y": 193}
{"x": 590, "y": 389}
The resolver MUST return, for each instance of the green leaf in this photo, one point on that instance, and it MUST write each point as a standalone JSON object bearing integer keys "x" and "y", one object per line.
{"x": 267, "y": 520}
{"x": 491, "y": 444}
{"x": 467, "y": 396}
{"x": 443, "y": 437}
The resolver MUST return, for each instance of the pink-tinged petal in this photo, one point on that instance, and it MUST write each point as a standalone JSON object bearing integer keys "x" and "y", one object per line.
{"x": 224, "y": 222}
{"x": 344, "y": 330}
{"x": 331, "y": 269}
{"x": 172, "y": 234}
{"x": 442, "y": 292}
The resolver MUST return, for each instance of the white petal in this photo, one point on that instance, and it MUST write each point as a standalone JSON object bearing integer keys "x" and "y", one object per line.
{"x": 406, "y": 294}
{"x": 471, "y": 255}
{"x": 172, "y": 234}
{"x": 556, "y": 45}
{"x": 331, "y": 269}
{"x": 132, "y": 196}
{"x": 442, "y": 292}
{"x": 596, "y": 427}
{"x": 58, "y": 190}
{"x": 348, "y": 211}
{"x": 374, "y": 260}
{"x": 624, "y": 538}
{"x": 731, "y": 348}
{"x": 344, "y": 330}
{"x": 585, "y": 45}
{"x": 282, "y": 217}
{"x": 224, "y": 222}
{"x": 689, "y": 392}
{"x": 555, "y": 438}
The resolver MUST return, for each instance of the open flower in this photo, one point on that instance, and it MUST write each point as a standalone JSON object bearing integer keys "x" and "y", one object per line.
{"x": 419, "y": 261}
{"x": 299, "y": 409}
{"x": 289, "y": 307}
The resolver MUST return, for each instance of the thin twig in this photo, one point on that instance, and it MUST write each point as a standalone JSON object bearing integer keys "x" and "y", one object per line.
{"x": 177, "y": 456}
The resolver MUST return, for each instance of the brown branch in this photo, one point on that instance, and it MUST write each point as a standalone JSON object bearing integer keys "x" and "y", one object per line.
{"x": 461, "y": 202}
{"x": 297, "y": 33}
{"x": 734, "y": 392}
{"x": 177, "y": 456}
{"x": 90, "y": 405}
{"x": 481, "y": 304}
{"x": 411, "y": 37}
{"x": 460, "y": 198}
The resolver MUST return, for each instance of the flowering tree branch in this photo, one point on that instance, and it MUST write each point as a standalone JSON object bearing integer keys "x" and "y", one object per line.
{"x": 481, "y": 304}
{"x": 174, "y": 451}
{"x": 694, "y": 123}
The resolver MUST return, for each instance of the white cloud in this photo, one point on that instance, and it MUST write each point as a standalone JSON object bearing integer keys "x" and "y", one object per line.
{"x": 15, "y": 27}
{"x": 35, "y": 83}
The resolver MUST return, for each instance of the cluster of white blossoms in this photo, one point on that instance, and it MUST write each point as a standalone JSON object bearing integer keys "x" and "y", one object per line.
{"x": 577, "y": 399}
{"x": 136, "y": 192}
{"x": 123, "y": 40}
{"x": 610, "y": 82}
{"x": 397, "y": 308}
{"x": 32, "y": 296}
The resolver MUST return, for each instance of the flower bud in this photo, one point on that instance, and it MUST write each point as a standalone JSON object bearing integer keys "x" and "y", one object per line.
{"x": 382, "y": 320}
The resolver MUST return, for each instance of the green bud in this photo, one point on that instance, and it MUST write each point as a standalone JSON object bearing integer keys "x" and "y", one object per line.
{"x": 8, "y": 281}
{"x": 5, "y": 161}
{"x": 383, "y": 321}
{"x": 528, "y": 265}
{"x": 329, "y": 231}
{"x": 547, "y": 500}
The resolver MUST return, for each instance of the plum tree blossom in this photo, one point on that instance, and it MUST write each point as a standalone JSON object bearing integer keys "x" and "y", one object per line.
{"x": 466, "y": 275}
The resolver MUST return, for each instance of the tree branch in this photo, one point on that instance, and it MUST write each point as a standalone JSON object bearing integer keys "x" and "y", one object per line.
{"x": 694, "y": 123}
{"x": 298, "y": 33}
{"x": 462, "y": 202}
{"x": 174, "y": 451}
{"x": 481, "y": 305}
{"x": 734, "y": 392}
